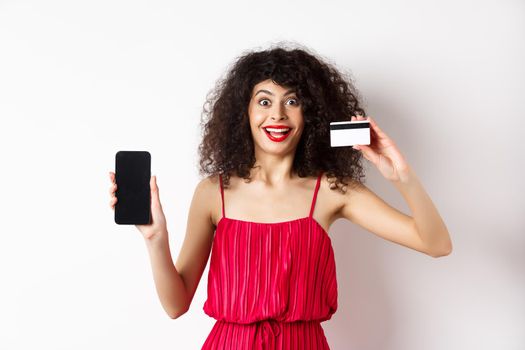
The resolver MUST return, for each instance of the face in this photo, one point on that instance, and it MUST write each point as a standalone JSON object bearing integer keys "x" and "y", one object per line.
{"x": 277, "y": 106}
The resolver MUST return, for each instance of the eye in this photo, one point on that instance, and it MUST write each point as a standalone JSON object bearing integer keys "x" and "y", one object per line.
{"x": 295, "y": 102}
{"x": 261, "y": 102}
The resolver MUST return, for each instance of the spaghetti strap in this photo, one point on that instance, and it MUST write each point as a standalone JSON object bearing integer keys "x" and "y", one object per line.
{"x": 222, "y": 194}
{"x": 257, "y": 293}
{"x": 315, "y": 194}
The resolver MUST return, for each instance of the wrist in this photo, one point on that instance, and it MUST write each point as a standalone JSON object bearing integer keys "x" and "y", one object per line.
{"x": 407, "y": 182}
{"x": 405, "y": 176}
{"x": 158, "y": 238}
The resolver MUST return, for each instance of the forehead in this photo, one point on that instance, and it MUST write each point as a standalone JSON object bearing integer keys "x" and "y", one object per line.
{"x": 270, "y": 87}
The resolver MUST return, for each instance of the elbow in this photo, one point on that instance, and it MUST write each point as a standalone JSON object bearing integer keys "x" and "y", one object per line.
{"x": 442, "y": 252}
{"x": 178, "y": 310}
{"x": 175, "y": 315}
{"x": 442, "y": 249}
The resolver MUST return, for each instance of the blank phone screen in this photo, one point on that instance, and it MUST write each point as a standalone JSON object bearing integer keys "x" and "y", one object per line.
{"x": 132, "y": 175}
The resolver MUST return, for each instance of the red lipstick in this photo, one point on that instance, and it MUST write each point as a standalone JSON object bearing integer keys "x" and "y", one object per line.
{"x": 274, "y": 134}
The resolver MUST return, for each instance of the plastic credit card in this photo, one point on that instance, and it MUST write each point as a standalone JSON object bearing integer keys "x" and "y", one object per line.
{"x": 349, "y": 133}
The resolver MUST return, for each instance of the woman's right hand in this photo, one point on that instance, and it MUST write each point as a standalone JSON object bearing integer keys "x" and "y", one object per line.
{"x": 157, "y": 227}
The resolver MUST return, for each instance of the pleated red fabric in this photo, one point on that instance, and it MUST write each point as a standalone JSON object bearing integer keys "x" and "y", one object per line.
{"x": 270, "y": 285}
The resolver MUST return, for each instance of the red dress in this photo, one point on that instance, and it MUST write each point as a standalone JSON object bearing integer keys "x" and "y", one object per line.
{"x": 270, "y": 285}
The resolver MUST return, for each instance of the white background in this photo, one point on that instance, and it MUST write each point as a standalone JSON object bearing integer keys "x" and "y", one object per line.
{"x": 81, "y": 80}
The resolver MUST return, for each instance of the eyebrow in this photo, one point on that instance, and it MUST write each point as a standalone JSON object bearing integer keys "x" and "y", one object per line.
{"x": 268, "y": 92}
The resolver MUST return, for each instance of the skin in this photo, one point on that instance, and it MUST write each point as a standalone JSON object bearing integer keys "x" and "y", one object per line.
{"x": 274, "y": 187}
{"x": 284, "y": 196}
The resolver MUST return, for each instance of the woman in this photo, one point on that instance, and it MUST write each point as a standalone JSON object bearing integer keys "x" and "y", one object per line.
{"x": 267, "y": 155}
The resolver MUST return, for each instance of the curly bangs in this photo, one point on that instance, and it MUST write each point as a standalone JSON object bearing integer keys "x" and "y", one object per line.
{"x": 326, "y": 95}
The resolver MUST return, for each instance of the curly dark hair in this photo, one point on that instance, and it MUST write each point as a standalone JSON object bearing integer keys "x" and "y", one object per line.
{"x": 325, "y": 94}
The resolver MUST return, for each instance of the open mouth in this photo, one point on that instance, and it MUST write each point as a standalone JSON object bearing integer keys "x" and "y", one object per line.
{"x": 277, "y": 134}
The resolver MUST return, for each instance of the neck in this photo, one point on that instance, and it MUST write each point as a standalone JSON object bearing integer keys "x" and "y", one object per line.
{"x": 273, "y": 169}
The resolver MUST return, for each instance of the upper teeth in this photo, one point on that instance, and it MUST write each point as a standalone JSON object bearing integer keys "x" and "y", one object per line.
{"x": 277, "y": 130}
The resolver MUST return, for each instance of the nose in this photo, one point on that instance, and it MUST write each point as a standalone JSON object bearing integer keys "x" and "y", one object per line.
{"x": 279, "y": 112}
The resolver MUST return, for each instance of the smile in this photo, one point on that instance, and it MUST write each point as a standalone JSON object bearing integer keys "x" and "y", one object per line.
{"x": 277, "y": 135}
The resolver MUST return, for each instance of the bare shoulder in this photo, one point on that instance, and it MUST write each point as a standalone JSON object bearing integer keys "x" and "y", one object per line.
{"x": 328, "y": 203}
{"x": 209, "y": 183}
{"x": 210, "y": 189}
{"x": 349, "y": 199}
{"x": 335, "y": 198}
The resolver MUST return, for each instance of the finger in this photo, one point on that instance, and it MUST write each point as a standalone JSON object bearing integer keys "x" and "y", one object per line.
{"x": 112, "y": 189}
{"x": 369, "y": 154}
{"x": 374, "y": 136}
{"x": 153, "y": 184}
{"x": 154, "y": 190}
{"x": 376, "y": 128}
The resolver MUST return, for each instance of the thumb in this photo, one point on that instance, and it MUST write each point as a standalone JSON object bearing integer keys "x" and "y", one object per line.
{"x": 154, "y": 190}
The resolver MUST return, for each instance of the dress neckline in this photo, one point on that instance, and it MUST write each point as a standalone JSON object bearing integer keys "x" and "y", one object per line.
{"x": 275, "y": 223}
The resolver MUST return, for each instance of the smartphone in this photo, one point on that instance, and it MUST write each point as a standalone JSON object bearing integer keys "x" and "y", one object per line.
{"x": 132, "y": 175}
{"x": 349, "y": 133}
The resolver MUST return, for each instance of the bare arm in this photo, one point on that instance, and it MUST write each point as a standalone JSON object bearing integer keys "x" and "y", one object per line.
{"x": 427, "y": 221}
{"x": 424, "y": 231}
{"x": 168, "y": 282}
{"x": 176, "y": 284}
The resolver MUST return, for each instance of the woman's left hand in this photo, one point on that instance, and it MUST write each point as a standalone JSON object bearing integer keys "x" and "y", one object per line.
{"x": 383, "y": 153}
